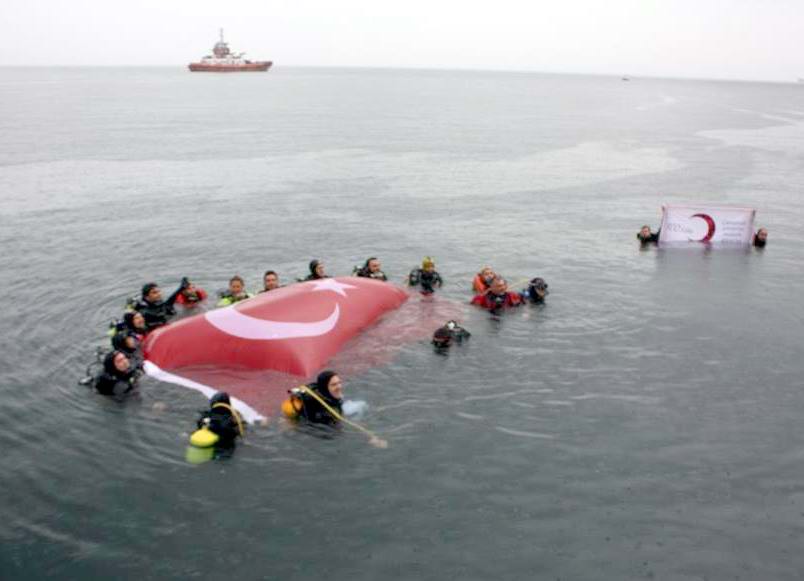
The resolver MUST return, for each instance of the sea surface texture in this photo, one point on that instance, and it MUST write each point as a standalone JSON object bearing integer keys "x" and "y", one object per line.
{"x": 646, "y": 423}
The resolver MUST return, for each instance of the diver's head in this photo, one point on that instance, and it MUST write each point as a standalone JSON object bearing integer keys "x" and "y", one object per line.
{"x": 373, "y": 265}
{"x": 317, "y": 269}
{"x": 537, "y": 288}
{"x": 270, "y": 280}
{"x": 329, "y": 384}
{"x": 125, "y": 341}
{"x": 487, "y": 274}
{"x": 116, "y": 363}
{"x": 442, "y": 336}
{"x": 644, "y": 232}
{"x": 762, "y": 234}
{"x": 135, "y": 321}
{"x": 151, "y": 292}
{"x": 427, "y": 264}
{"x": 498, "y": 286}
{"x": 236, "y": 285}
{"x": 189, "y": 290}
{"x": 220, "y": 397}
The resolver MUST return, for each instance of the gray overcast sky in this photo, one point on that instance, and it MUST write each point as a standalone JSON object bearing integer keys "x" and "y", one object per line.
{"x": 739, "y": 39}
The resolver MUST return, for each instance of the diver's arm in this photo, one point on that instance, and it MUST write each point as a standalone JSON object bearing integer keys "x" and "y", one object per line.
{"x": 172, "y": 298}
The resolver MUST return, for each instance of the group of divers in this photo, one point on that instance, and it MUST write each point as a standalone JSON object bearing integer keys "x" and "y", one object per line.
{"x": 317, "y": 403}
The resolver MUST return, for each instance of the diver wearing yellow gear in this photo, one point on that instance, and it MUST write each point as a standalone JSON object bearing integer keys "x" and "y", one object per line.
{"x": 220, "y": 425}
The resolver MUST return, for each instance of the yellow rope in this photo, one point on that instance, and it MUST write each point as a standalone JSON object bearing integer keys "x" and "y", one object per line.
{"x": 235, "y": 414}
{"x": 373, "y": 438}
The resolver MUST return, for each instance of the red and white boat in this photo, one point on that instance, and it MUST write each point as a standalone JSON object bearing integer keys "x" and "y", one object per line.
{"x": 223, "y": 60}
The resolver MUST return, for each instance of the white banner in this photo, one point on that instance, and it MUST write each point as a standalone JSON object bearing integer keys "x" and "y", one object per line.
{"x": 728, "y": 226}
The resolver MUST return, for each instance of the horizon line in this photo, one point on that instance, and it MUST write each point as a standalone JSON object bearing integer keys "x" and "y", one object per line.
{"x": 621, "y": 76}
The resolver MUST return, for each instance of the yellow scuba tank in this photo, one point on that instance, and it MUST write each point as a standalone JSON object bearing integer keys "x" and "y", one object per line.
{"x": 292, "y": 406}
{"x": 204, "y": 438}
{"x": 199, "y": 455}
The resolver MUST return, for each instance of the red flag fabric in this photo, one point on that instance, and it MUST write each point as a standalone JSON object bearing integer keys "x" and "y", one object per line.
{"x": 293, "y": 330}
{"x": 257, "y": 349}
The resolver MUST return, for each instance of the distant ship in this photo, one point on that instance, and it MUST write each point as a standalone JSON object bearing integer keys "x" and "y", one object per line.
{"x": 222, "y": 60}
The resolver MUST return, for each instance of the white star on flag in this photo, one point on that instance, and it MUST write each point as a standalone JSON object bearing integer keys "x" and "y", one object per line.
{"x": 331, "y": 284}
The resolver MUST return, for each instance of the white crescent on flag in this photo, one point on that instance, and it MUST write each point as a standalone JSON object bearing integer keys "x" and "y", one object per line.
{"x": 233, "y": 322}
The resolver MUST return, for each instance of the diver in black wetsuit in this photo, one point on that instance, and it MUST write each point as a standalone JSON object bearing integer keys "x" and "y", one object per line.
{"x": 536, "y": 291}
{"x": 316, "y": 271}
{"x": 426, "y": 277}
{"x": 133, "y": 323}
{"x": 645, "y": 236}
{"x": 118, "y": 377}
{"x": 371, "y": 269}
{"x": 156, "y": 311}
{"x": 450, "y": 333}
{"x": 129, "y": 344}
{"x": 329, "y": 389}
{"x": 222, "y": 419}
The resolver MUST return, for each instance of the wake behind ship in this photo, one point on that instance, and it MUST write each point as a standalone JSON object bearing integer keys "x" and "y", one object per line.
{"x": 223, "y": 60}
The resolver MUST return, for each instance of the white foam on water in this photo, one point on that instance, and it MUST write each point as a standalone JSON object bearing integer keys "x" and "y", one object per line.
{"x": 522, "y": 434}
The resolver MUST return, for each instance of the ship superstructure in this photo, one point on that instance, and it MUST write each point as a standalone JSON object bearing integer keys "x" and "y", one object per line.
{"x": 223, "y": 60}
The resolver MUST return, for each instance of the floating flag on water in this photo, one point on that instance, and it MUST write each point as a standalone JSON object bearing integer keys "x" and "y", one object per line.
{"x": 259, "y": 348}
{"x": 726, "y": 226}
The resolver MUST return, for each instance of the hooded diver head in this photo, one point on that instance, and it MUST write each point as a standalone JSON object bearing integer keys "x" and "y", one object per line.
{"x": 135, "y": 322}
{"x": 125, "y": 341}
{"x": 316, "y": 269}
{"x": 537, "y": 289}
{"x": 328, "y": 384}
{"x": 220, "y": 397}
{"x": 117, "y": 364}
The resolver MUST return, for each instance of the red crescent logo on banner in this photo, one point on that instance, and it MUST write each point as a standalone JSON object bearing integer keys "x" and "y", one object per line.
{"x": 710, "y": 225}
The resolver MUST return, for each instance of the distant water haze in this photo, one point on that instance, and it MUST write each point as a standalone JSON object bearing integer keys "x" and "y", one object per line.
{"x": 644, "y": 424}
{"x": 745, "y": 39}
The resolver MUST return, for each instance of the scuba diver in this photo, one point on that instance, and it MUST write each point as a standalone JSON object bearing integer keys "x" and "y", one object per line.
{"x": 129, "y": 344}
{"x": 316, "y": 271}
{"x": 235, "y": 293}
{"x": 498, "y": 296}
{"x": 316, "y": 402}
{"x": 118, "y": 376}
{"x": 426, "y": 277}
{"x": 133, "y": 323}
{"x": 761, "y": 238}
{"x": 321, "y": 404}
{"x": 156, "y": 311}
{"x": 645, "y": 236}
{"x": 450, "y": 333}
{"x": 536, "y": 291}
{"x": 222, "y": 420}
{"x": 270, "y": 281}
{"x": 483, "y": 279}
{"x": 371, "y": 269}
{"x": 191, "y": 295}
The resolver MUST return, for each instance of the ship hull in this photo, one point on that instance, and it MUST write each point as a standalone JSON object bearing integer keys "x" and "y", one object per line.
{"x": 257, "y": 67}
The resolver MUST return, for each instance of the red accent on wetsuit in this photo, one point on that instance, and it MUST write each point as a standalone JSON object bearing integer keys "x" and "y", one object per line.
{"x": 187, "y": 303}
{"x": 486, "y": 301}
{"x": 479, "y": 285}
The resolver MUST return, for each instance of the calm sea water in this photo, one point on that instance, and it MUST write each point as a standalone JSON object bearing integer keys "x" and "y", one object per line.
{"x": 646, "y": 423}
